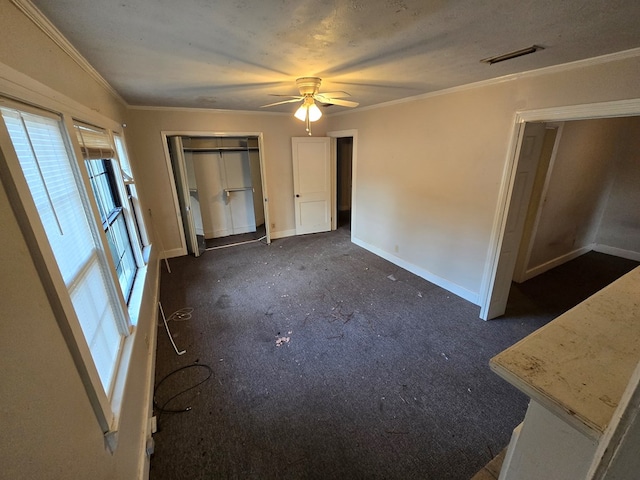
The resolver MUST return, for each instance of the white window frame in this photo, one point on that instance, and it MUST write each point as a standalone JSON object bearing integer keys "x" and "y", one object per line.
{"x": 111, "y": 154}
{"x": 106, "y": 405}
{"x": 134, "y": 210}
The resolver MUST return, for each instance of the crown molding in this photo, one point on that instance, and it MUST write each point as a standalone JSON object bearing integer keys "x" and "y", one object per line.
{"x": 564, "y": 67}
{"x": 49, "y": 29}
{"x": 205, "y": 110}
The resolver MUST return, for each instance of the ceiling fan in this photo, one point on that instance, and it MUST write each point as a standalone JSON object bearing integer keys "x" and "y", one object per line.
{"x": 309, "y": 93}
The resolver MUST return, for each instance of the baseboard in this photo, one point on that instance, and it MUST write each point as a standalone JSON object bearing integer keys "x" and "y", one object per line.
{"x": 556, "y": 262}
{"x": 617, "y": 252}
{"x": 282, "y": 234}
{"x": 472, "y": 297}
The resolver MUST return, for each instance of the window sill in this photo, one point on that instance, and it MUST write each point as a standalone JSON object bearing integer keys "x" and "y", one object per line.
{"x": 135, "y": 299}
{"x": 120, "y": 381}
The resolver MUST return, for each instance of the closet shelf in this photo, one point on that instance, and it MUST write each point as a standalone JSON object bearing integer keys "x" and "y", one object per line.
{"x": 228, "y": 191}
{"x": 220, "y": 149}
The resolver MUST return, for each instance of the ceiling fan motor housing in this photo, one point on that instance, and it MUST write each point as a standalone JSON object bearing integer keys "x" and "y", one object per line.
{"x": 308, "y": 85}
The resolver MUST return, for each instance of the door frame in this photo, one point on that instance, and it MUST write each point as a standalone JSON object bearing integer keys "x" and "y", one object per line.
{"x": 621, "y": 108}
{"x": 164, "y": 134}
{"x": 353, "y": 133}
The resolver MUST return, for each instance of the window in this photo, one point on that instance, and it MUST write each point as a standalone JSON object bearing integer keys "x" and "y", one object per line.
{"x": 131, "y": 193}
{"x": 112, "y": 184}
{"x": 57, "y": 190}
{"x": 113, "y": 222}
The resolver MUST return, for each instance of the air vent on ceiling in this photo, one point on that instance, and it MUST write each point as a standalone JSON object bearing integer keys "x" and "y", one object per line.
{"x": 510, "y": 55}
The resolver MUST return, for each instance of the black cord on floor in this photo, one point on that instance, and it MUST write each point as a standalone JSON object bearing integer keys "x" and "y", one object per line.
{"x": 161, "y": 408}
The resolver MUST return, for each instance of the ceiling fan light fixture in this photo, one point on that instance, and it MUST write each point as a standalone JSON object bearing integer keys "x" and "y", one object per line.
{"x": 314, "y": 113}
{"x": 301, "y": 113}
{"x": 308, "y": 107}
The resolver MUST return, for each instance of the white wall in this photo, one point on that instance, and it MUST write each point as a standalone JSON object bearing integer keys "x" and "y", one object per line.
{"x": 48, "y": 428}
{"x": 429, "y": 171}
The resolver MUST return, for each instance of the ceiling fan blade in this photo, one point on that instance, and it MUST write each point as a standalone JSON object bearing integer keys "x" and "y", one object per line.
{"x": 282, "y": 102}
{"x": 342, "y": 103}
{"x": 288, "y": 96}
{"x": 339, "y": 94}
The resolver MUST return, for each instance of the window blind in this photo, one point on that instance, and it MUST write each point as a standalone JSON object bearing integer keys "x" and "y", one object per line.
{"x": 95, "y": 143}
{"x": 62, "y": 206}
{"x": 127, "y": 174}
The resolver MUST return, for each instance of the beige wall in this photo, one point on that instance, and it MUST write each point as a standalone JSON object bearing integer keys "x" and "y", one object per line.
{"x": 578, "y": 189}
{"x": 49, "y": 429}
{"x": 145, "y": 127}
{"x": 620, "y": 226}
{"x": 428, "y": 172}
{"x": 592, "y": 197}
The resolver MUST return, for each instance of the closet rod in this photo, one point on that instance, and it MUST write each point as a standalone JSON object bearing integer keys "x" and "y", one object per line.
{"x": 220, "y": 149}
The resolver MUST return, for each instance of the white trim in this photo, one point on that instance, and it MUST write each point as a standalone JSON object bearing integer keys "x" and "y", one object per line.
{"x": 499, "y": 221}
{"x": 207, "y": 110}
{"x": 421, "y": 272}
{"x": 553, "y": 69}
{"x": 618, "y": 108}
{"x": 151, "y": 341}
{"x": 616, "y": 252}
{"x": 49, "y": 29}
{"x": 556, "y": 262}
{"x": 623, "y": 108}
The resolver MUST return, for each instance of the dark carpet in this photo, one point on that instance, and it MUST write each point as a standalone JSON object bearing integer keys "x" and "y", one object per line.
{"x": 328, "y": 362}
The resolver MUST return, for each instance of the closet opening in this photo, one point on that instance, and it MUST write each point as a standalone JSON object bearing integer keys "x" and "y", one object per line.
{"x": 220, "y": 190}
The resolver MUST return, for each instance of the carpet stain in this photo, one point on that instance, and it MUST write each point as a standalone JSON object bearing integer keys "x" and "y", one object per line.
{"x": 223, "y": 302}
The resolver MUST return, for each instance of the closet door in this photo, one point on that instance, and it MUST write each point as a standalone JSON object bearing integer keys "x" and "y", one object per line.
{"x": 184, "y": 196}
{"x": 213, "y": 201}
{"x": 236, "y": 172}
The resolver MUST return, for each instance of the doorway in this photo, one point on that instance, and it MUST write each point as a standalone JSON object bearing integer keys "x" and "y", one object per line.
{"x": 344, "y": 174}
{"x": 498, "y": 272}
{"x": 344, "y": 180}
{"x": 219, "y": 187}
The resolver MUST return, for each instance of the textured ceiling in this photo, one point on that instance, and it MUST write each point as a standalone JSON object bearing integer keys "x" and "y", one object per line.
{"x": 232, "y": 54}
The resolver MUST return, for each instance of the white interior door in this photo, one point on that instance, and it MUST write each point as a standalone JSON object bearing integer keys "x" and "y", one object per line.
{"x": 531, "y": 142}
{"x": 312, "y": 184}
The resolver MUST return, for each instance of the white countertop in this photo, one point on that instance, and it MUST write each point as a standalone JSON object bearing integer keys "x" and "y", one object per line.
{"x": 579, "y": 364}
